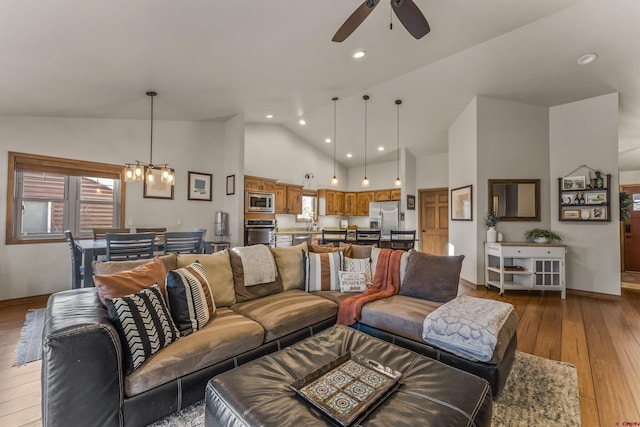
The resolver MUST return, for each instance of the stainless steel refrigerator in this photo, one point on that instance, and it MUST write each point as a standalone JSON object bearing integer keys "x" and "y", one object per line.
{"x": 385, "y": 216}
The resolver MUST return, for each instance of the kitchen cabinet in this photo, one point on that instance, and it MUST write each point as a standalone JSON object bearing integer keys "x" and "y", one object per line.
{"x": 288, "y": 199}
{"x": 350, "y": 204}
{"x": 330, "y": 202}
{"x": 396, "y": 194}
{"x": 253, "y": 183}
{"x": 525, "y": 266}
{"x": 364, "y": 198}
{"x": 387, "y": 195}
{"x": 280, "y": 203}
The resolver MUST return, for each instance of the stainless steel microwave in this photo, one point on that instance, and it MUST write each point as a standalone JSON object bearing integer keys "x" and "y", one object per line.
{"x": 259, "y": 202}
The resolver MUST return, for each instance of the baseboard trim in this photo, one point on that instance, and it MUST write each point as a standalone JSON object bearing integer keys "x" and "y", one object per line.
{"x": 469, "y": 284}
{"x": 597, "y": 295}
{"x": 33, "y": 300}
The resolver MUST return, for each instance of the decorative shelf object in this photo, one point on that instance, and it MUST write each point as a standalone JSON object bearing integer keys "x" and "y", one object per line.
{"x": 585, "y": 198}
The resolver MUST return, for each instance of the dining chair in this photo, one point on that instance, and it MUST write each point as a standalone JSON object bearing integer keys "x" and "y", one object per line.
{"x": 402, "y": 239}
{"x": 368, "y": 237}
{"x": 334, "y": 236}
{"x": 77, "y": 269}
{"x": 183, "y": 242}
{"x": 125, "y": 247}
{"x": 160, "y": 231}
{"x": 100, "y": 233}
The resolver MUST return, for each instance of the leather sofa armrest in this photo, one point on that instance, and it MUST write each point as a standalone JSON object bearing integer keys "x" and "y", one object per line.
{"x": 82, "y": 373}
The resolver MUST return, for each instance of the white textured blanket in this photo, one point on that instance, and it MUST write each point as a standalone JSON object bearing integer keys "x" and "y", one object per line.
{"x": 257, "y": 263}
{"x": 467, "y": 326}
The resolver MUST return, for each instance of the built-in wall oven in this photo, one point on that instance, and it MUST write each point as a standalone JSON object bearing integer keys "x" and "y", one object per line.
{"x": 259, "y": 232}
{"x": 259, "y": 202}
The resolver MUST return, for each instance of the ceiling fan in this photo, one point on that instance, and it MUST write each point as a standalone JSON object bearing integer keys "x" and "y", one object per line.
{"x": 406, "y": 11}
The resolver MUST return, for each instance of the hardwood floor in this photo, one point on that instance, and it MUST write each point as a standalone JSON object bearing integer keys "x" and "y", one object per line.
{"x": 600, "y": 337}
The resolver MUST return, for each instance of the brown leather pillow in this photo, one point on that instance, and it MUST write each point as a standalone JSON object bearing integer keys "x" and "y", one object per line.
{"x": 431, "y": 277}
{"x": 323, "y": 249}
{"x": 248, "y": 293}
{"x": 132, "y": 281}
{"x": 357, "y": 251}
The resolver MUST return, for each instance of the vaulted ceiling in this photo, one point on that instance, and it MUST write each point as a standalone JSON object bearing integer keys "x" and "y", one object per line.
{"x": 209, "y": 60}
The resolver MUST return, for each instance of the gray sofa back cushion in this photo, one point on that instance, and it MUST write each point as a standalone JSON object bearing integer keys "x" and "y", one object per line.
{"x": 431, "y": 277}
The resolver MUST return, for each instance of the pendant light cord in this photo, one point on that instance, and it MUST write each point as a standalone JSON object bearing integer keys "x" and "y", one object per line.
{"x": 398, "y": 102}
{"x": 335, "y": 104}
{"x": 151, "y": 94}
{"x": 366, "y": 98}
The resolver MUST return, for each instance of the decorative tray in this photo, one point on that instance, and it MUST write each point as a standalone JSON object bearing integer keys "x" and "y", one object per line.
{"x": 348, "y": 388}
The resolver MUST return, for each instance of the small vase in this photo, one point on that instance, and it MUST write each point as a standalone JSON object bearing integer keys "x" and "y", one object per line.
{"x": 541, "y": 240}
{"x": 492, "y": 235}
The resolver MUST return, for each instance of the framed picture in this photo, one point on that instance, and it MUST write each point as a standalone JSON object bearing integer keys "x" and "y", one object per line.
{"x": 599, "y": 213}
{"x": 571, "y": 214}
{"x": 574, "y": 183}
{"x": 568, "y": 198}
{"x": 200, "y": 186}
{"x": 596, "y": 198}
{"x": 231, "y": 185}
{"x": 461, "y": 203}
{"x": 411, "y": 202}
{"x": 157, "y": 190}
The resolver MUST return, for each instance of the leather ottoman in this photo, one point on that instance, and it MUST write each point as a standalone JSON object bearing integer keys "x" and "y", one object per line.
{"x": 430, "y": 393}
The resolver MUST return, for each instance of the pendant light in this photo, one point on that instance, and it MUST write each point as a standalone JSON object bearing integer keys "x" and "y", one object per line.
{"x": 140, "y": 170}
{"x": 365, "y": 180}
{"x": 334, "y": 180}
{"x": 398, "y": 182}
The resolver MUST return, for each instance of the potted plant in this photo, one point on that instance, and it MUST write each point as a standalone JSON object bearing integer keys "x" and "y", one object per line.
{"x": 490, "y": 221}
{"x": 539, "y": 235}
{"x": 625, "y": 206}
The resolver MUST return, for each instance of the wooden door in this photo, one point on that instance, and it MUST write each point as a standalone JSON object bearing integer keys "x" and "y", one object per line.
{"x": 631, "y": 231}
{"x": 434, "y": 221}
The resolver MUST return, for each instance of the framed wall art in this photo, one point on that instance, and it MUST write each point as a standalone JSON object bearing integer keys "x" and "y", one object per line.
{"x": 200, "y": 186}
{"x": 411, "y": 202}
{"x": 159, "y": 189}
{"x": 231, "y": 185}
{"x": 461, "y": 203}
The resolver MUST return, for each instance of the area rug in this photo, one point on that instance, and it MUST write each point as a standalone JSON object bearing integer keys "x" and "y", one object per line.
{"x": 539, "y": 392}
{"x": 29, "y": 348}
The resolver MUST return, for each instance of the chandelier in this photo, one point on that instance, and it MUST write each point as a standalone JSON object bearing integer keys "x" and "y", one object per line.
{"x": 140, "y": 170}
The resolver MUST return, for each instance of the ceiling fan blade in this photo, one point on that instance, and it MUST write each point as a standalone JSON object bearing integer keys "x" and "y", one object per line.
{"x": 354, "y": 20}
{"x": 411, "y": 17}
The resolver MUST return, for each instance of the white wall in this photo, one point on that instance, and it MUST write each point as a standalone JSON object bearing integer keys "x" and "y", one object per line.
{"x": 381, "y": 176}
{"x": 233, "y": 156}
{"x": 34, "y": 269}
{"x": 273, "y": 151}
{"x": 462, "y": 168}
{"x": 586, "y": 132}
{"x": 629, "y": 177}
{"x": 432, "y": 171}
{"x": 408, "y": 176}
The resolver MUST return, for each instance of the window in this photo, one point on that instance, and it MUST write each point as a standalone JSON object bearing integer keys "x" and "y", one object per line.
{"x": 309, "y": 213}
{"x": 47, "y": 195}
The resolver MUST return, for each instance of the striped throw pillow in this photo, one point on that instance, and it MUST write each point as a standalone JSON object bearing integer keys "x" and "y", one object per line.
{"x": 144, "y": 324}
{"x": 323, "y": 271}
{"x": 190, "y": 298}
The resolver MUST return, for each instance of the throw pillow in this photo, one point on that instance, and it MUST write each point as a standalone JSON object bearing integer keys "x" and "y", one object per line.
{"x": 359, "y": 265}
{"x": 322, "y": 271}
{"x": 352, "y": 281}
{"x": 143, "y": 323}
{"x": 111, "y": 267}
{"x": 431, "y": 277}
{"x": 290, "y": 263}
{"x": 357, "y": 251}
{"x": 131, "y": 281}
{"x": 218, "y": 269}
{"x": 190, "y": 298}
{"x": 321, "y": 249}
{"x": 248, "y": 293}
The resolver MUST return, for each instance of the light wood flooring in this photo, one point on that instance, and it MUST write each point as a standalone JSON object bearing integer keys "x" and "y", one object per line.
{"x": 600, "y": 337}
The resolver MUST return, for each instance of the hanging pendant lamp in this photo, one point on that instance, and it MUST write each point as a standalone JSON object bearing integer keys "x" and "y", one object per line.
{"x": 365, "y": 180}
{"x": 398, "y": 182}
{"x": 334, "y": 180}
{"x": 140, "y": 170}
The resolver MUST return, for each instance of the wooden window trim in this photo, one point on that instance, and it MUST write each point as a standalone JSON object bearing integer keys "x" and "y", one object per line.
{"x": 35, "y": 162}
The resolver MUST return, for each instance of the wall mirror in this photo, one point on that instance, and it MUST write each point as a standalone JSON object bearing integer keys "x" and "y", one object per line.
{"x": 515, "y": 199}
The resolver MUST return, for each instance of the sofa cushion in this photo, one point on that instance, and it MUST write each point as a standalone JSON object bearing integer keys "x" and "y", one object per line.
{"x": 335, "y": 296}
{"x": 218, "y": 269}
{"x": 111, "y": 267}
{"x": 287, "y": 312}
{"x": 375, "y": 252}
{"x": 130, "y": 281}
{"x": 432, "y": 277}
{"x": 227, "y": 335}
{"x": 356, "y": 251}
{"x": 143, "y": 323}
{"x": 322, "y": 271}
{"x": 248, "y": 293}
{"x": 190, "y": 300}
{"x": 290, "y": 262}
{"x": 321, "y": 249}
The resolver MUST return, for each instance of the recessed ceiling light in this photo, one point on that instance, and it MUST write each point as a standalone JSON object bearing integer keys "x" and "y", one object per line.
{"x": 269, "y": 116}
{"x": 327, "y": 140}
{"x": 359, "y": 54}
{"x": 302, "y": 122}
{"x": 349, "y": 155}
{"x": 587, "y": 59}
{"x": 380, "y": 148}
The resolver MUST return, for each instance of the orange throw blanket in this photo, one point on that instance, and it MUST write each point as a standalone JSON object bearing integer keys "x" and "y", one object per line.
{"x": 385, "y": 284}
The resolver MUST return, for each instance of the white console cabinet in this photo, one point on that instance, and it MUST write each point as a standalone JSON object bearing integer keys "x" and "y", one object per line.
{"x": 520, "y": 265}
